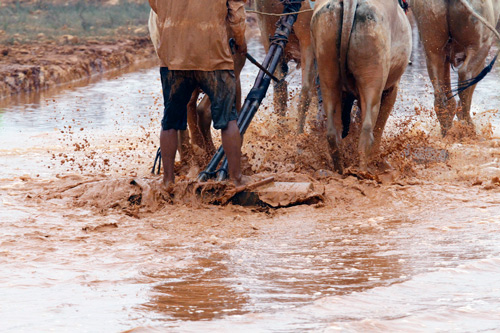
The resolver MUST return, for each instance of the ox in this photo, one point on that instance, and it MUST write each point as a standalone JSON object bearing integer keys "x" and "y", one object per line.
{"x": 362, "y": 48}
{"x": 453, "y": 35}
{"x": 299, "y": 49}
{"x": 199, "y": 114}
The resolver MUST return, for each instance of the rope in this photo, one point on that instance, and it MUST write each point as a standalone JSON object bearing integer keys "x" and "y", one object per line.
{"x": 480, "y": 18}
{"x": 279, "y": 15}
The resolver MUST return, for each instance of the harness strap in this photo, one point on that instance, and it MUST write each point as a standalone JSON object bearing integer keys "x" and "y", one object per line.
{"x": 404, "y": 5}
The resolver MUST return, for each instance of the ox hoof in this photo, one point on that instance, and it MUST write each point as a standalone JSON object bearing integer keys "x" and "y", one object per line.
{"x": 461, "y": 130}
{"x": 378, "y": 167}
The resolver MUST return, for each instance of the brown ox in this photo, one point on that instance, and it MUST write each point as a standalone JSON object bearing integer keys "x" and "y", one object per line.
{"x": 298, "y": 49}
{"x": 199, "y": 114}
{"x": 362, "y": 49}
{"x": 453, "y": 36}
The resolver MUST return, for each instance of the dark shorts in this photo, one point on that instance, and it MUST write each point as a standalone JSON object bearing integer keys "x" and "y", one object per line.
{"x": 178, "y": 86}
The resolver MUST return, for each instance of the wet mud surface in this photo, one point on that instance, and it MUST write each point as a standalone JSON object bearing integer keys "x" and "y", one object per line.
{"x": 91, "y": 242}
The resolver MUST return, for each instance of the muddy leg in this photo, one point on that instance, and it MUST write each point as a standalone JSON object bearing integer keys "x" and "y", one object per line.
{"x": 186, "y": 140}
{"x": 332, "y": 104}
{"x": 370, "y": 106}
{"x": 438, "y": 67}
{"x": 325, "y": 49}
{"x": 204, "y": 122}
{"x": 471, "y": 67}
{"x": 281, "y": 90}
{"x": 168, "y": 144}
{"x": 192, "y": 118}
{"x": 435, "y": 34}
{"x": 386, "y": 105}
{"x": 185, "y": 148}
{"x": 308, "y": 82}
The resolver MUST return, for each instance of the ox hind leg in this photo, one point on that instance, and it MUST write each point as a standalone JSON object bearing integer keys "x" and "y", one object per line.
{"x": 331, "y": 91}
{"x": 204, "y": 114}
{"x": 471, "y": 67}
{"x": 388, "y": 99}
{"x": 281, "y": 89}
{"x": 326, "y": 51}
{"x": 370, "y": 95}
{"x": 308, "y": 83}
{"x": 438, "y": 66}
{"x": 199, "y": 121}
{"x": 332, "y": 103}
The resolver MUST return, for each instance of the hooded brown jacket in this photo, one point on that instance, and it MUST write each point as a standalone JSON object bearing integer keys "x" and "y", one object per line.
{"x": 194, "y": 33}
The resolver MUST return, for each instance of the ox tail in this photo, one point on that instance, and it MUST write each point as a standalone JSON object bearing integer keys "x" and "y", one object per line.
{"x": 464, "y": 85}
{"x": 348, "y": 16}
{"x": 345, "y": 35}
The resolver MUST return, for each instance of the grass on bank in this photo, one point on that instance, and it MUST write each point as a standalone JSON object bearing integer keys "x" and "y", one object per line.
{"x": 25, "y": 22}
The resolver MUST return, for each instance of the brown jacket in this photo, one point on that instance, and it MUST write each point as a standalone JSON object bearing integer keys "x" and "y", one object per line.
{"x": 194, "y": 33}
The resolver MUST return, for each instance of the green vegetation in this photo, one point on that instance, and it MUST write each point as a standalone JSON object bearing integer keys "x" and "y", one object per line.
{"x": 24, "y": 22}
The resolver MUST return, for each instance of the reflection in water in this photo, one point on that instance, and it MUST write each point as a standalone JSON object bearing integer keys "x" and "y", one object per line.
{"x": 201, "y": 292}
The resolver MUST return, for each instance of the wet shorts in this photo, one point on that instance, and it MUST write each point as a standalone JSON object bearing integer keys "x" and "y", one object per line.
{"x": 178, "y": 86}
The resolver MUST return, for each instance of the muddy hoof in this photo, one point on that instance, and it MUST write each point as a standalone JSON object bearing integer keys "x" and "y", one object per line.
{"x": 461, "y": 130}
{"x": 378, "y": 167}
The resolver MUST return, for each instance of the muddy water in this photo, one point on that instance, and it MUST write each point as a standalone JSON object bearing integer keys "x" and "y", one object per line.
{"x": 417, "y": 254}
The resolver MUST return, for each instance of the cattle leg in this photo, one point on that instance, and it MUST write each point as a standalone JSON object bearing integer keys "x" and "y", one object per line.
{"x": 281, "y": 90}
{"x": 370, "y": 106}
{"x": 471, "y": 67}
{"x": 332, "y": 103}
{"x": 386, "y": 105}
{"x": 438, "y": 66}
{"x": 204, "y": 122}
{"x": 185, "y": 149}
{"x": 199, "y": 122}
{"x": 308, "y": 78}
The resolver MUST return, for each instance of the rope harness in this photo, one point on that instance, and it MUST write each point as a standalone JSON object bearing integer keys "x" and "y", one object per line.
{"x": 279, "y": 15}
{"x": 402, "y": 3}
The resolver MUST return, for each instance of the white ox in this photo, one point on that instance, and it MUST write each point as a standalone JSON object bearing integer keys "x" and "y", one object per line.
{"x": 453, "y": 35}
{"x": 362, "y": 48}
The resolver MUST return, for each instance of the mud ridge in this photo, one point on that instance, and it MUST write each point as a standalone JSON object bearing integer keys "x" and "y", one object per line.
{"x": 46, "y": 64}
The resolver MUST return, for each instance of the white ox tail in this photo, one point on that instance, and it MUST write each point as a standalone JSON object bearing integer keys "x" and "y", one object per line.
{"x": 345, "y": 36}
{"x": 464, "y": 85}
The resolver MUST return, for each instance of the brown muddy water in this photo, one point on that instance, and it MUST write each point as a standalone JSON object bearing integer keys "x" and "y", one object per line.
{"x": 417, "y": 253}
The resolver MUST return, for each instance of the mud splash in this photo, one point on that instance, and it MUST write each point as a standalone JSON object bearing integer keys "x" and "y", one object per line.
{"x": 84, "y": 248}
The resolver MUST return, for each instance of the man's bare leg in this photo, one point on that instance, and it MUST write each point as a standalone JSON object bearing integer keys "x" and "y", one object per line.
{"x": 231, "y": 142}
{"x": 168, "y": 145}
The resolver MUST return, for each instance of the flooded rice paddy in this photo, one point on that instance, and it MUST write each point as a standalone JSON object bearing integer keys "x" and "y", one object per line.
{"x": 416, "y": 254}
